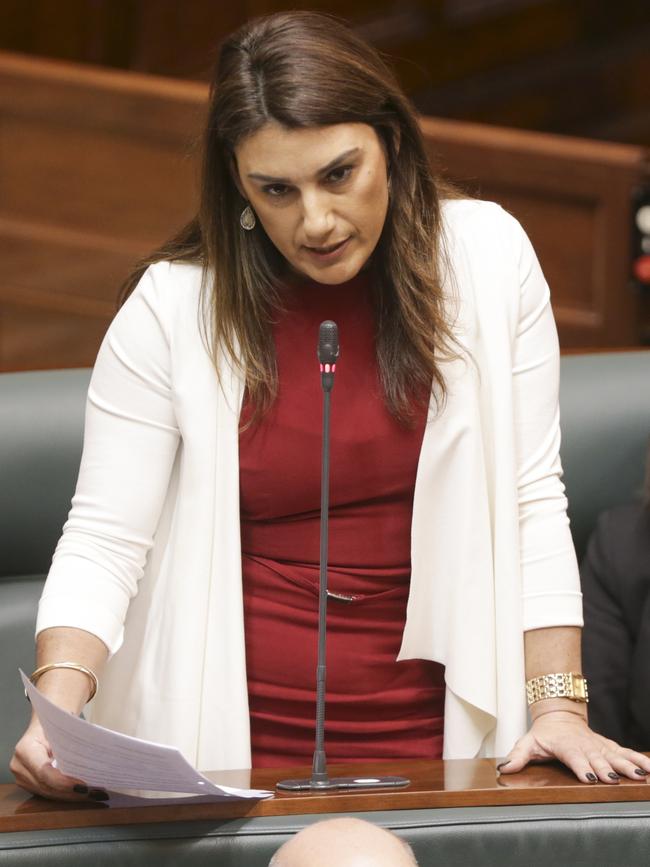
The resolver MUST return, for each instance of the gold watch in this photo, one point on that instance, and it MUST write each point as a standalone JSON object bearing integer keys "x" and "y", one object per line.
{"x": 566, "y": 684}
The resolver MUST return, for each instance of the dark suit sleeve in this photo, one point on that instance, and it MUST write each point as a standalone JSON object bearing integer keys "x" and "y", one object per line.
{"x": 607, "y": 646}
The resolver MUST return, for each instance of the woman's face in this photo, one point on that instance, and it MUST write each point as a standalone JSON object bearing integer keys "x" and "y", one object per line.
{"x": 321, "y": 194}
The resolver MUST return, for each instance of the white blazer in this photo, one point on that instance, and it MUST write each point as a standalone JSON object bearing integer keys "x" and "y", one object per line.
{"x": 150, "y": 556}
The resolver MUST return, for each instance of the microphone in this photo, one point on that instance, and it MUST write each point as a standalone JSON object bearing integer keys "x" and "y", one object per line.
{"x": 328, "y": 353}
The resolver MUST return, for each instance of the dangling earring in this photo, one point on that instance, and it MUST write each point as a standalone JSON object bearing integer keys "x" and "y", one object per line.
{"x": 247, "y": 218}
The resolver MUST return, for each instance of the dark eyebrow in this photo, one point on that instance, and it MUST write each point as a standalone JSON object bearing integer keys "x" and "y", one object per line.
{"x": 339, "y": 159}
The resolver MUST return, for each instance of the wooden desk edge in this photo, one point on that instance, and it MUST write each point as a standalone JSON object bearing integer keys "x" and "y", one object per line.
{"x": 537, "y": 785}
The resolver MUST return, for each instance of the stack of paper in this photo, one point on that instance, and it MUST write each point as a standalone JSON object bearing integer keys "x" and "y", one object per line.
{"x": 109, "y": 760}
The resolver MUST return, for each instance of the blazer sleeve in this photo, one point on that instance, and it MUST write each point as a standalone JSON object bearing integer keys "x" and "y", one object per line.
{"x": 130, "y": 441}
{"x": 549, "y": 569}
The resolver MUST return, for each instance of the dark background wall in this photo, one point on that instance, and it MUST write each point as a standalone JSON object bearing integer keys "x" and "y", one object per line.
{"x": 579, "y": 67}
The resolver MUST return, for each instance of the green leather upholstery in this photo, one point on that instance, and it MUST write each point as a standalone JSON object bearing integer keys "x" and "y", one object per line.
{"x": 18, "y": 600}
{"x": 41, "y": 430}
{"x": 605, "y": 419}
{"x": 582, "y": 835}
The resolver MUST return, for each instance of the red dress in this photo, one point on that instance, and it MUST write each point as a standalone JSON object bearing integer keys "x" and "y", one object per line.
{"x": 377, "y": 708}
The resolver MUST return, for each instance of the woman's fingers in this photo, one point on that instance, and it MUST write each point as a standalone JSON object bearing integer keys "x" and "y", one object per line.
{"x": 587, "y": 769}
{"x": 505, "y": 766}
{"x": 35, "y": 782}
{"x": 53, "y": 779}
{"x": 526, "y": 751}
{"x": 578, "y": 761}
{"x": 38, "y": 784}
{"x": 597, "y": 759}
{"x": 602, "y": 769}
{"x": 611, "y": 765}
{"x": 32, "y": 767}
{"x": 628, "y": 763}
{"x": 592, "y": 757}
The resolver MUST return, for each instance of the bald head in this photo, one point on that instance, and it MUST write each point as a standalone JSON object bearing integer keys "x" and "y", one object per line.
{"x": 344, "y": 842}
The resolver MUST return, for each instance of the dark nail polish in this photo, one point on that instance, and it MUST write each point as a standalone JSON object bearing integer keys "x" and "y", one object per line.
{"x": 502, "y": 765}
{"x": 592, "y": 777}
{"x": 80, "y": 790}
{"x": 98, "y": 795}
{"x": 613, "y": 775}
{"x": 641, "y": 772}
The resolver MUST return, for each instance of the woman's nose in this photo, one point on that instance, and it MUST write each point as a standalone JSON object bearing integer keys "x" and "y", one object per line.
{"x": 317, "y": 217}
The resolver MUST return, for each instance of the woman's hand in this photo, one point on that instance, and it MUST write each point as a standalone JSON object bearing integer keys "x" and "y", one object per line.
{"x": 31, "y": 765}
{"x": 566, "y": 736}
{"x": 69, "y": 689}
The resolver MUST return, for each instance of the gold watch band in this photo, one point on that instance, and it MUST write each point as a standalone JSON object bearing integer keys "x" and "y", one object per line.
{"x": 566, "y": 684}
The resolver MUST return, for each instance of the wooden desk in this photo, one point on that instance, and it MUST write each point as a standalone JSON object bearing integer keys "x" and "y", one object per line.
{"x": 460, "y": 783}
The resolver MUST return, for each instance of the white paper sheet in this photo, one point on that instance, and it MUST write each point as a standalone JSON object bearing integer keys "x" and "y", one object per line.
{"x": 110, "y": 760}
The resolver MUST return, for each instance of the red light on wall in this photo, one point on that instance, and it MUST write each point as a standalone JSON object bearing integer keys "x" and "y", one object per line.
{"x": 641, "y": 268}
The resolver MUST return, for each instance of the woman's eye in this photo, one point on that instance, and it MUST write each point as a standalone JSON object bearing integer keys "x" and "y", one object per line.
{"x": 276, "y": 190}
{"x": 339, "y": 174}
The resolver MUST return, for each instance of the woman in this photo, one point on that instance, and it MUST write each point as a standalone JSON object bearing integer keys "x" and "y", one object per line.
{"x": 199, "y": 484}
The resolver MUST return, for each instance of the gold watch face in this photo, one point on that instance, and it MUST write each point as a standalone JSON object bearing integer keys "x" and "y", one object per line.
{"x": 579, "y": 684}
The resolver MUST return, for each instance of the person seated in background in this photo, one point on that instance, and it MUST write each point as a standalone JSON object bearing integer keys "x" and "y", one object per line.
{"x": 615, "y": 575}
{"x": 344, "y": 842}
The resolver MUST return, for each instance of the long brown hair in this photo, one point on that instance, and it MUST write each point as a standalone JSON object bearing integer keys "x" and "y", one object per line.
{"x": 646, "y": 482}
{"x": 307, "y": 69}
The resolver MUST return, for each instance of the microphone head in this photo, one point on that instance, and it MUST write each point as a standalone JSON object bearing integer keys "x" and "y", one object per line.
{"x": 328, "y": 342}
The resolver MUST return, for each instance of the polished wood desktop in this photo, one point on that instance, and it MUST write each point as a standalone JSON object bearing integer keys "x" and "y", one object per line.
{"x": 434, "y": 784}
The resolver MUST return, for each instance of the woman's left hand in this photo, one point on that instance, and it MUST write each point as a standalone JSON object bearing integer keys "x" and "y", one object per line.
{"x": 565, "y": 736}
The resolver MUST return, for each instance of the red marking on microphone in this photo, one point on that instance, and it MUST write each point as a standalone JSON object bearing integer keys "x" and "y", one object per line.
{"x": 321, "y": 368}
{"x": 333, "y": 368}
{"x": 327, "y": 368}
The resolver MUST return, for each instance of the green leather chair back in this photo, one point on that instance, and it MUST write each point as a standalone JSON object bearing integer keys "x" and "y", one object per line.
{"x": 41, "y": 430}
{"x": 605, "y": 420}
{"x": 597, "y": 835}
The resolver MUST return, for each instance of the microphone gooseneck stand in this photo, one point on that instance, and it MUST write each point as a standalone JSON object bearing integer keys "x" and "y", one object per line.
{"x": 328, "y": 353}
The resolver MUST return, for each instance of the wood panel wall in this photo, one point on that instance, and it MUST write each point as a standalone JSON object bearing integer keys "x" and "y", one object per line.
{"x": 578, "y": 67}
{"x": 99, "y": 167}
{"x": 574, "y": 198}
{"x": 97, "y": 170}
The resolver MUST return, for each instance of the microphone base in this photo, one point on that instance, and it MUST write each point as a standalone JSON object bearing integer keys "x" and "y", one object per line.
{"x": 309, "y": 785}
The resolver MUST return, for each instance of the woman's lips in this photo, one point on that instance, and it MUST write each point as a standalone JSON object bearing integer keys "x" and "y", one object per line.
{"x": 326, "y": 254}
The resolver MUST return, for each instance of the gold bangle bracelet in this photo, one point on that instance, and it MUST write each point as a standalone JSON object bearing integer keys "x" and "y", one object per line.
{"x": 35, "y": 675}
{"x": 565, "y": 684}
